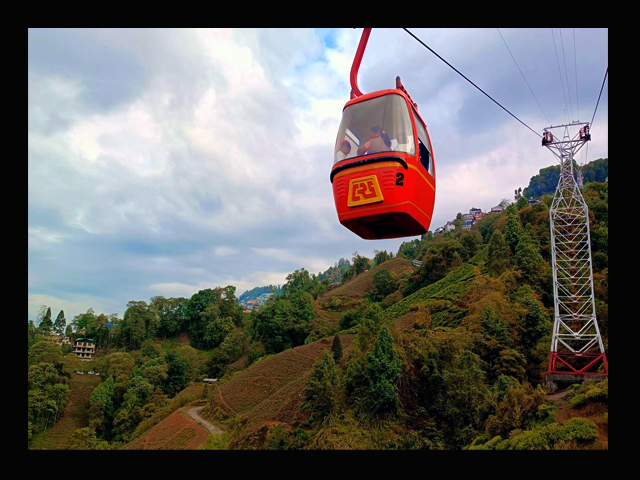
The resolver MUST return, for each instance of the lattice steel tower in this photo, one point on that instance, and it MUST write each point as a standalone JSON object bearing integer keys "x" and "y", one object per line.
{"x": 576, "y": 345}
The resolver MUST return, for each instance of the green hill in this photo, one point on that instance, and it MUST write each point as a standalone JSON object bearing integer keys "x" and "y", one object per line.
{"x": 446, "y": 353}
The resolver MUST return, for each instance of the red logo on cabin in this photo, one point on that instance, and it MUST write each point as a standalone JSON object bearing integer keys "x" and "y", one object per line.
{"x": 364, "y": 190}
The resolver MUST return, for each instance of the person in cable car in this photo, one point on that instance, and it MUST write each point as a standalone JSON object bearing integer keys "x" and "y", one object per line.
{"x": 345, "y": 150}
{"x": 378, "y": 141}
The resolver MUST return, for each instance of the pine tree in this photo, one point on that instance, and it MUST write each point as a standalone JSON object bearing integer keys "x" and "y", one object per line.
{"x": 45, "y": 320}
{"x": 383, "y": 367}
{"x": 336, "y": 348}
{"x": 321, "y": 391}
{"x": 499, "y": 253}
{"x": 60, "y": 324}
{"x": 512, "y": 228}
{"x": 528, "y": 260}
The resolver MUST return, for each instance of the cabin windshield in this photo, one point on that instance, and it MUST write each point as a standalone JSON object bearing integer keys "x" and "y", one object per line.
{"x": 376, "y": 125}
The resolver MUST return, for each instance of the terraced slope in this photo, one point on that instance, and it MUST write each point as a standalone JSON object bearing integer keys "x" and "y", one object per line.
{"x": 179, "y": 431}
{"x": 334, "y": 303}
{"x": 441, "y": 298}
{"x": 75, "y": 415}
{"x": 271, "y": 389}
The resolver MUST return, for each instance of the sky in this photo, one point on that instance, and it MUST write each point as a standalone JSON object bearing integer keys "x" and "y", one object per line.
{"x": 164, "y": 162}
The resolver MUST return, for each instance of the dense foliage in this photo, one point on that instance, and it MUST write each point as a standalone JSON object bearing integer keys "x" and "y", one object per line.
{"x": 464, "y": 371}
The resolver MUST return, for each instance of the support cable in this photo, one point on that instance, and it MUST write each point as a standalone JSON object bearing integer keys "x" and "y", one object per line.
{"x": 605, "y": 79}
{"x": 426, "y": 46}
{"x": 525, "y": 80}
{"x": 575, "y": 63}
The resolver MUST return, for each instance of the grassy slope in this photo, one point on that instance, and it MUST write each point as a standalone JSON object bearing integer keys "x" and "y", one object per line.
{"x": 75, "y": 415}
{"x": 334, "y": 303}
{"x": 270, "y": 391}
{"x": 176, "y": 432}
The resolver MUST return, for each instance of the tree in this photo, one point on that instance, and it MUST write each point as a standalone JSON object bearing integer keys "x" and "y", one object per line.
{"x": 336, "y": 348}
{"x": 216, "y": 327}
{"x": 499, "y": 254}
{"x": 471, "y": 242}
{"x": 321, "y": 390}
{"x": 44, "y": 320}
{"x": 512, "y": 228}
{"x": 384, "y": 283}
{"x": 60, "y": 324}
{"x": 536, "y": 323}
{"x": 45, "y": 352}
{"x": 155, "y": 371}
{"x": 511, "y": 362}
{"x": 522, "y": 202}
{"x": 167, "y": 309}
{"x": 440, "y": 259}
{"x": 138, "y": 324}
{"x": 86, "y": 321}
{"x": 381, "y": 256}
{"x": 177, "y": 372}
{"x": 299, "y": 281}
{"x": 494, "y": 327}
{"x": 528, "y": 260}
{"x": 384, "y": 368}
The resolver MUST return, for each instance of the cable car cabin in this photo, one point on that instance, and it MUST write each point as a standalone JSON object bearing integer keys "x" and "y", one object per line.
{"x": 383, "y": 173}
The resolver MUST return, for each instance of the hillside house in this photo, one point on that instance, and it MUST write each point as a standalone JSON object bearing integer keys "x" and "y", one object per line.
{"x": 58, "y": 339}
{"x": 497, "y": 209}
{"x": 85, "y": 348}
{"x": 449, "y": 226}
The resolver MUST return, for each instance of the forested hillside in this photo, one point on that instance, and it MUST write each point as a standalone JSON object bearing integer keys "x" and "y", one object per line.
{"x": 546, "y": 181}
{"x": 450, "y": 355}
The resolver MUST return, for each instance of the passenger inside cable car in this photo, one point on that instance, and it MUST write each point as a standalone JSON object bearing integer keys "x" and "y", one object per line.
{"x": 381, "y": 124}
{"x": 344, "y": 152}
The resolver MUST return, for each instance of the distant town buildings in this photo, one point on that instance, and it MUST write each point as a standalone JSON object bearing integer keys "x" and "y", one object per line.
{"x": 248, "y": 305}
{"x": 469, "y": 219}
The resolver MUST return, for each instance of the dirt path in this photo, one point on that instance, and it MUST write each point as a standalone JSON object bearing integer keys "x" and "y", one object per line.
{"x": 559, "y": 394}
{"x": 195, "y": 414}
{"x": 564, "y": 413}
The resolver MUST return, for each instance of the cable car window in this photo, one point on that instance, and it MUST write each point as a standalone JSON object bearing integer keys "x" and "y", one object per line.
{"x": 375, "y": 125}
{"x": 426, "y": 157}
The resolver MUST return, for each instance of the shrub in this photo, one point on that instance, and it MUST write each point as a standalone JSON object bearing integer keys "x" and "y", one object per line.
{"x": 216, "y": 442}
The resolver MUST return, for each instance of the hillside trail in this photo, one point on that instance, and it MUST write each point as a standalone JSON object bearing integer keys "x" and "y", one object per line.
{"x": 195, "y": 414}
{"x": 558, "y": 397}
{"x": 564, "y": 413}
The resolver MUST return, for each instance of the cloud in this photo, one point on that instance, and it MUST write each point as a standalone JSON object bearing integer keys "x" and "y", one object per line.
{"x": 167, "y": 161}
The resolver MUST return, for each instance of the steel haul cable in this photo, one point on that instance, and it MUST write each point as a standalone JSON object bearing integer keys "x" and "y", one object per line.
{"x": 459, "y": 73}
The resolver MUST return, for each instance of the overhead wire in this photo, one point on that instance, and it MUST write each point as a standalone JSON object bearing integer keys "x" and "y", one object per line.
{"x": 525, "y": 80}
{"x": 559, "y": 72}
{"x": 459, "y": 73}
{"x": 564, "y": 59}
{"x": 596, "y": 109}
{"x": 575, "y": 64}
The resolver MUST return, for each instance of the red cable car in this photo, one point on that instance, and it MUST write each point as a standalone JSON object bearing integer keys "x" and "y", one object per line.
{"x": 383, "y": 175}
